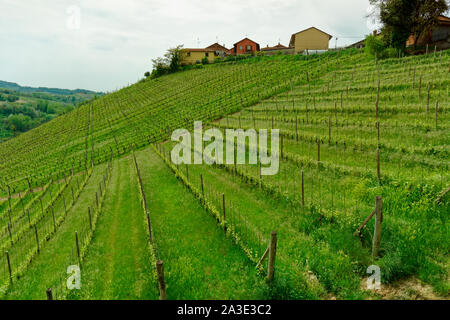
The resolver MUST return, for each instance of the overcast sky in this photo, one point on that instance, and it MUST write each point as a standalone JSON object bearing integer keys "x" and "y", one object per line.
{"x": 43, "y": 43}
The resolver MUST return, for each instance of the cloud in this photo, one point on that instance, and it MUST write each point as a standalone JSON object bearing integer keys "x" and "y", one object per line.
{"x": 118, "y": 38}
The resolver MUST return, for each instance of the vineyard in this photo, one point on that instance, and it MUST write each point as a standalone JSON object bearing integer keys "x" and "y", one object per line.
{"x": 96, "y": 188}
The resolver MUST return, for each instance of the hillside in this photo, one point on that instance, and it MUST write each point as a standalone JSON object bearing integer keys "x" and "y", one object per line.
{"x": 102, "y": 172}
{"x": 24, "y": 108}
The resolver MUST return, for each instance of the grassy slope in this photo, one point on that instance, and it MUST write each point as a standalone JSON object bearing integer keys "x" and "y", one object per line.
{"x": 118, "y": 264}
{"x": 53, "y": 260}
{"x": 199, "y": 261}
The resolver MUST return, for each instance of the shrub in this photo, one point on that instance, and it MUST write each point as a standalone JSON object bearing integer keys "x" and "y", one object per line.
{"x": 390, "y": 53}
{"x": 374, "y": 46}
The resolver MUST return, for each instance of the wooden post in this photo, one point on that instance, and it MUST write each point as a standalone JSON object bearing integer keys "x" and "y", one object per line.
{"x": 9, "y": 267}
{"x": 10, "y": 233}
{"x": 223, "y": 208}
{"x": 54, "y": 221}
{"x": 378, "y": 165}
{"x": 281, "y": 146}
{"x": 201, "y": 183}
{"x": 37, "y": 238}
{"x": 272, "y": 254}
{"x": 377, "y": 229}
{"x": 436, "y": 113}
{"x": 420, "y": 87}
{"x": 149, "y": 224}
{"x": 329, "y": 130}
{"x": 49, "y": 294}
{"x": 161, "y": 282}
{"x": 90, "y": 217}
{"x": 78, "y": 248}
{"x": 318, "y": 151}
{"x": 303, "y": 191}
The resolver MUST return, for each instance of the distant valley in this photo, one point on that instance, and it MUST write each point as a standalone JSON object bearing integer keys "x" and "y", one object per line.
{"x": 23, "y": 108}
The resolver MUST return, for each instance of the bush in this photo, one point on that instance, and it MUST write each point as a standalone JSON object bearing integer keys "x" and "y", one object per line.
{"x": 390, "y": 53}
{"x": 19, "y": 122}
{"x": 374, "y": 46}
{"x": 205, "y": 60}
{"x": 11, "y": 98}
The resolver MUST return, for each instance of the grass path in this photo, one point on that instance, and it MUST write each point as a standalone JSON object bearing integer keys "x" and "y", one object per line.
{"x": 200, "y": 262}
{"x": 52, "y": 262}
{"x": 118, "y": 264}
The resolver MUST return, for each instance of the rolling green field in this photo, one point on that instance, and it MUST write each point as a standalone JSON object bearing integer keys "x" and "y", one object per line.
{"x": 352, "y": 128}
{"x": 24, "y": 108}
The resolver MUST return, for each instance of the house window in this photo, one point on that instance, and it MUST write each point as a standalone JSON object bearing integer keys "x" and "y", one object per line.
{"x": 206, "y": 54}
{"x": 241, "y": 48}
{"x": 188, "y": 54}
{"x": 249, "y": 48}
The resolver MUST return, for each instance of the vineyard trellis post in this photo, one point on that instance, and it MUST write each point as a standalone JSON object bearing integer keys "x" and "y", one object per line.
{"x": 161, "y": 282}
{"x": 37, "y": 238}
{"x": 9, "y": 266}
{"x": 272, "y": 255}
{"x": 78, "y": 248}
{"x": 223, "y": 210}
{"x": 377, "y": 229}
{"x": 202, "y": 187}
{"x": 90, "y": 217}
{"x": 49, "y": 294}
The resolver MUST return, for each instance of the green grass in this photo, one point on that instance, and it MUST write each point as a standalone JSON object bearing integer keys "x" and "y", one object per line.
{"x": 318, "y": 257}
{"x": 200, "y": 262}
{"x": 48, "y": 269}
{"x": 118, "y": 264}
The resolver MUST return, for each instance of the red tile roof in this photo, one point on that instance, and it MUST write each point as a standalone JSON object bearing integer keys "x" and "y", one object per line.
{"x": 278, "y": 46}
{"x": 244, "y": 40}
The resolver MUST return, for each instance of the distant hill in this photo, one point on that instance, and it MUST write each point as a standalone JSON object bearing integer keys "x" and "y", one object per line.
{"x": 25, "y": 89}
{"x": 24, "y": 108}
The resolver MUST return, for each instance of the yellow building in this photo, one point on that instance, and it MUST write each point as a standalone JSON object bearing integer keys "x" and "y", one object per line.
{"x": 310, "y": 39}
{"x": 193, "y": 56}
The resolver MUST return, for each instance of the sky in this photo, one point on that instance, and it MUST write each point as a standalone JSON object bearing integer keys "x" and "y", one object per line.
{"x": 104, "y": 45}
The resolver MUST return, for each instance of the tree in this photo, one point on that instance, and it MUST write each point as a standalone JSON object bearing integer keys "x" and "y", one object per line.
{"x": 19, "y": 122}
{"x": 401, "y": 18}
{"x": 12, "y": 98}
{"x": 147, "y": 74}
{"x": 426, "y": 16}
{"x": 172, "y": 57}
{"x": 170, "y": 63}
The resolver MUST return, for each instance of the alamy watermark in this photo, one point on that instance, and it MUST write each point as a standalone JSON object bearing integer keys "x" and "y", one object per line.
{"x": 374, "y": 281}
{"x": 73, "y": 21}
{"x": 235, "y": 145}
{"x": 74, "y": 279}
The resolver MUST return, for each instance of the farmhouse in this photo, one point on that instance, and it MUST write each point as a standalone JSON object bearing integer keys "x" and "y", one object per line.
{"x": 439, "y": 36}
{"x": 310, "y": 39}
{"x": 220, "y": 51}
{"x": 276, "y": 49}
{"x": 193, "y": 56}
{"x": 245, "y": 46}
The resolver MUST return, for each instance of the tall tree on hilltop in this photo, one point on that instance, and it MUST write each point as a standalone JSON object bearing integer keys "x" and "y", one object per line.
{"x": 401, "y": 18}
